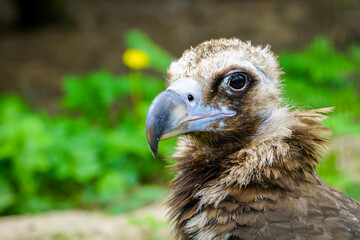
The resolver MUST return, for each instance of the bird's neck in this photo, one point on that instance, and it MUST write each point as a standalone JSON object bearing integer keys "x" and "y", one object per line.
{"x": 281, "y": 156}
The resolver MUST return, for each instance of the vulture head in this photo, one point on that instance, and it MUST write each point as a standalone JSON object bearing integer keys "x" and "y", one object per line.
{"x": 246, "y": 164}
{"x": 222, "y": 91}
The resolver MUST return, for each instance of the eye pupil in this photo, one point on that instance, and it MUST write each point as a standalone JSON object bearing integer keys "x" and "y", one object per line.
{"x": 237, "y": 81}
{"x": 190, "y": 97}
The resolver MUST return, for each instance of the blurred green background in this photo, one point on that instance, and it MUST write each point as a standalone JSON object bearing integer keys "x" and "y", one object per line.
{"x": 74, "y": 137}
{"x": 96, "y": 154}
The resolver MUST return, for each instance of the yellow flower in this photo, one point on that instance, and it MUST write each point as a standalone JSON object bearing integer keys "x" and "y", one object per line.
{"x": 135, "y": 59}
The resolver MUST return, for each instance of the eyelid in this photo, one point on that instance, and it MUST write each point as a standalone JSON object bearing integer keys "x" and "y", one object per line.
{"x": 232, "y": 72}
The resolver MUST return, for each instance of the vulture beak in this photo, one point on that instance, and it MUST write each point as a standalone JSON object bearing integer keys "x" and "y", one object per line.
{"x": 179, "y": 110}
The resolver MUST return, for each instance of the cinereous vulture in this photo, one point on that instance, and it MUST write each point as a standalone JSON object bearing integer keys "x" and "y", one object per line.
{"x": 246, "y": 164}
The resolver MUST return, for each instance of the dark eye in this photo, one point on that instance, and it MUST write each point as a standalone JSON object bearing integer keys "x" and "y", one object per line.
{"x": 237, "y": 81}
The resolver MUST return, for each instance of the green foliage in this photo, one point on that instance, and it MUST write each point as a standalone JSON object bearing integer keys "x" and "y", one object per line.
{"x": 94, "y": 154}
{"x": 321, "y": 77}
{"x": 62, "y": 162}
{"x": 330, "y": 173}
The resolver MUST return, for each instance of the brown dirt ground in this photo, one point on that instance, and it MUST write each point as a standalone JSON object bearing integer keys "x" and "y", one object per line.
{"x": 143, "y": 224}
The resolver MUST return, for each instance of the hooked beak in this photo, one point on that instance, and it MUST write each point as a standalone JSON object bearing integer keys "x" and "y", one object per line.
{"x": 179, "y": 110}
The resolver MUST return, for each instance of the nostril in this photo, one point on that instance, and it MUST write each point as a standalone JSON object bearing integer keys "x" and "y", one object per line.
{"x": 190, "y": 97}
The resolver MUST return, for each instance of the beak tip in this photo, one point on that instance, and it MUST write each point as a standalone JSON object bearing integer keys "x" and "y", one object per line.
{"x": 154, "y": 150}
{"x": 152, "y": 139}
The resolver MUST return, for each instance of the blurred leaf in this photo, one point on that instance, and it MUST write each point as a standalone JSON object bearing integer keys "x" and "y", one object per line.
{"x": 6, "y": 193}
{"x": 112, "y": 183}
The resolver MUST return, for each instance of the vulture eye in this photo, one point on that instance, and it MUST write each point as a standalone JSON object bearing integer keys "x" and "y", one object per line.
{"x": 237, "y": 81}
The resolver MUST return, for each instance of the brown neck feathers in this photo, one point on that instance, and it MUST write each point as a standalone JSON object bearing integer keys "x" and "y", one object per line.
{"x": 281, "y": 156}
